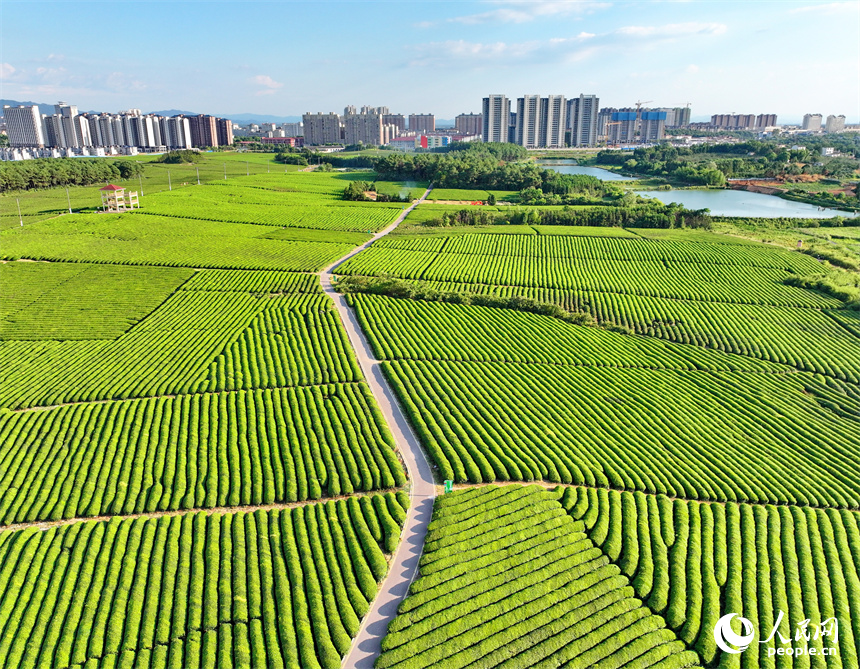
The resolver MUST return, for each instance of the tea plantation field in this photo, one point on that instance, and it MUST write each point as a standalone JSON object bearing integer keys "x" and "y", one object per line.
{"x": 280, "y": 588}
{"x": 518, "y": 576}
{"x": 707, "y": 421}
{"x": 508, "y": 579}
{"x": 195, "y": 472}
{"x": 177, "y": 376}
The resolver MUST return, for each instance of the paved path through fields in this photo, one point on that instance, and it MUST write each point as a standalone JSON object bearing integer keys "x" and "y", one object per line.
{"x": 404, "y": 564}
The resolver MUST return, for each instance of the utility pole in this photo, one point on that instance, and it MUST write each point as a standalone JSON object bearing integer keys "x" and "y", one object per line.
{"x": 247, "y": 169}
{"x": 140, "y": 181}
{"x": 169, "y": 185}
{"x": 198, "y": 174}
{"x": 225, "y": 171}
{"x": 20, "y": 218}
{"x": 68, "y": 199}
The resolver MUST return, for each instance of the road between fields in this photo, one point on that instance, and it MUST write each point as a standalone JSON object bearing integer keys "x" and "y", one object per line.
{"x": 404, "y": 563}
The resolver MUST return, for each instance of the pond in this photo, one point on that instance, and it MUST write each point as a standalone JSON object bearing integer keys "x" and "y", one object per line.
{"x": 570, "y": 167}
{"x": 743, "y": 203}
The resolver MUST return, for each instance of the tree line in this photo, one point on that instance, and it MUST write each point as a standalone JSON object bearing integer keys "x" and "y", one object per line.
{"x": 494, "y": 167}
{"x": 48, "y": 172}
{"x": 645, "y": 214}
{"x": 712, "y": 164}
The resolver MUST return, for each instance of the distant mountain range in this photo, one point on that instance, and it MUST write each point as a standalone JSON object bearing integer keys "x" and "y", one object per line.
{"x": 43, "y": 108}
{"x": 261, "y": 118}
{"x": 173, "y": 112}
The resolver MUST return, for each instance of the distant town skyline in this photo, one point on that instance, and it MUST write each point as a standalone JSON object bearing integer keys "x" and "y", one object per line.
{"x": 787, "y": 58}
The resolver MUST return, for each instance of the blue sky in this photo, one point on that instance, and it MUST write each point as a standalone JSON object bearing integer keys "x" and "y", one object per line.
{"x": 286, "y": 58}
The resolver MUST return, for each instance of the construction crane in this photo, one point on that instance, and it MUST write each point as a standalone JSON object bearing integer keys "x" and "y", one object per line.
{"x": 639, "y": 104}
{"x": 606, "y": 128}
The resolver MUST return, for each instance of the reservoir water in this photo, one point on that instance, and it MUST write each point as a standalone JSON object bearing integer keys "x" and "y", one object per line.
{"x": 720, "y": 202}
{"x": 570, "y": 167}
{"x": 743, "y": 203}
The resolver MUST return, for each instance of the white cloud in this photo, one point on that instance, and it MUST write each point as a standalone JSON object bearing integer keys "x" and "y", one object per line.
{"x": 583, "y": 46}
{"x": 673, "y": 30}
{"x": 692, "y": 69}
{"x": 269, "y": 85}
{"x": 517, "y": 11}
{"x": 6, "y": 70}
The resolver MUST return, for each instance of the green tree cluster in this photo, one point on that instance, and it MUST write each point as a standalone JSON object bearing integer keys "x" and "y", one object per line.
{"x": 179, "y": 157}
{"x": 644, "y": 214}
{"x": 49, "y": 172}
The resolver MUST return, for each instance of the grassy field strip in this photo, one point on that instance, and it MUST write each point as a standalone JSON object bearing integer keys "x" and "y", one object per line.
{"x": 250, "y": 508}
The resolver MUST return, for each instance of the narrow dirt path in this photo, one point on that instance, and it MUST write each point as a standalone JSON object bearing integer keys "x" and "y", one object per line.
{"x": 404, "y": 563}
{"x": 208, "y": 510}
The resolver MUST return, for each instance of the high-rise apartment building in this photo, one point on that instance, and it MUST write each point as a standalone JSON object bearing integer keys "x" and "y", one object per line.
{"x": 621, "y": 127}
{"x": 528, "y": 121}
{"x": 321, "y": 129}
{"x": 812, "y": 122}
{"x": 496, "y": 118}
{"x": 553, "y": 121}
{"x": 204, "y": 130}
{"x": 24, "y": 126}
{"x": 652, "y": 126}
{"x": 835, "y": 123}
{"x": 676, "y": 117}
{"x": 469, "y": 124}
{"x": 682, "y": 117}
{"x": 541, "y": 121}
{"x": 292, "y": 129}
{"x": 582, "y": 120}
{"x": 176, "y": 133}
{"x": 734, "y": 121}
{"x": 422, "y": 123}
{"x": 629, "y": 126}
{"x": 397, "y": 120}
{"x": 375, "y": 110}
{"x": 67, "y": 135}
{"x": 224, "y": 127}
{"x": 389, "y": 131}
{"x": 363, "y": 128}
{"x": 763, "y": 121}
{"x": 131, "y": 128}
{"x": 604, "y": 117}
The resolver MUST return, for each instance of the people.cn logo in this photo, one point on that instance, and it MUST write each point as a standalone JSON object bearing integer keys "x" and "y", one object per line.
{"x": 727, "y": 640}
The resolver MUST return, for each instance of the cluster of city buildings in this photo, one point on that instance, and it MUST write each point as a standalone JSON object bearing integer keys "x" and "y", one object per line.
{"x": 812, "y": 123}
{"x": 377, "y": 126}
{"x": 69, "y": 133}
{"x": 738, "y": 122}
{"x": 556, "y": 121}
{"x": 541, "y": 122}
{"x": 532, "y": 121}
